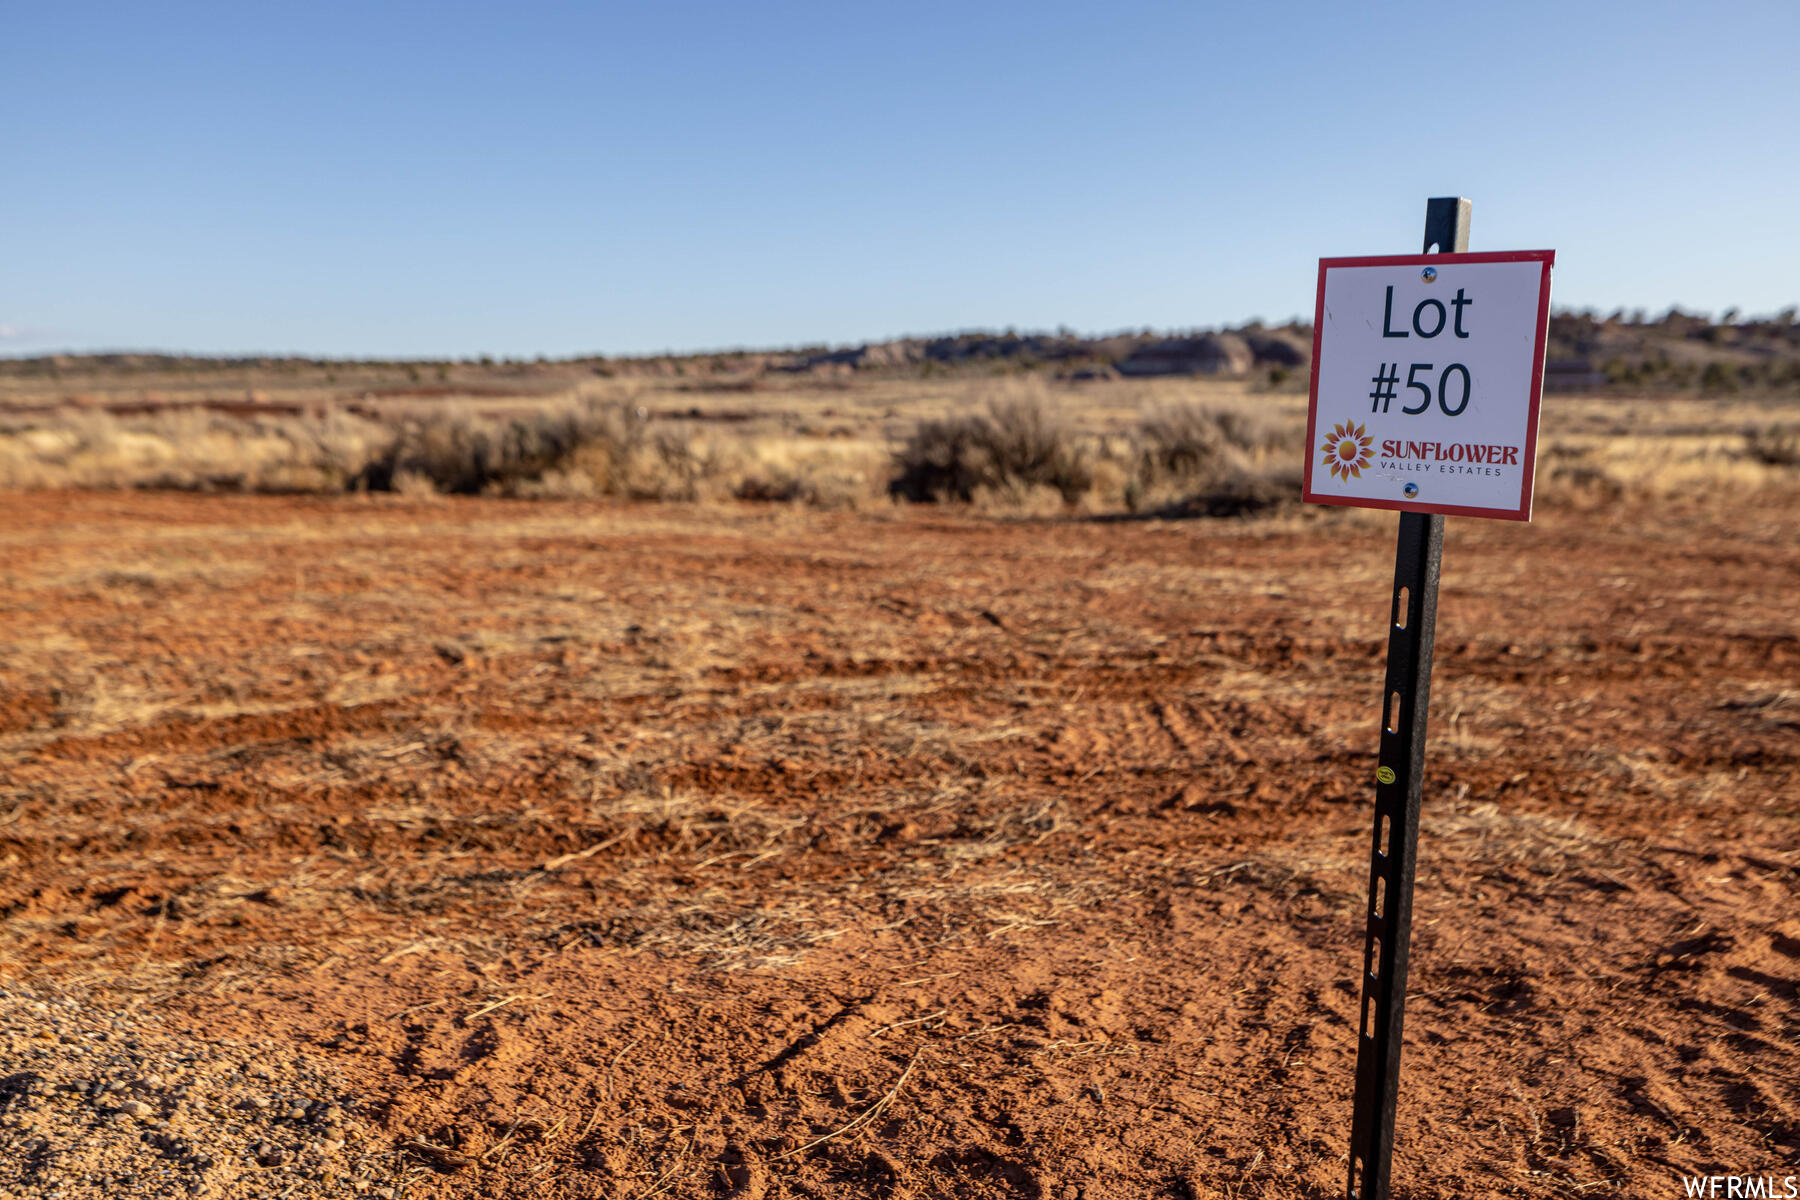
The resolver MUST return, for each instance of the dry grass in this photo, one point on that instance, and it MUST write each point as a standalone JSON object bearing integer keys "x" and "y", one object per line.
{"x": 462, "y": 454}
{"x": 1180, "y": 459}
{"x": 1775, "y": 446}
{"x": 1019, "y": 443}
{"x": 569, "y": 449}
{"x": 187, "y": 450}
{"x": 1185, "y": 441}
{"x": 1693, "y": 464}
{"x": 1164, "y": 448}
{"x": 1208, "y": 461}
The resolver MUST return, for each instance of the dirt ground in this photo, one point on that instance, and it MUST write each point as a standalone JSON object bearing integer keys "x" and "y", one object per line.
{"x": 609, "y": 851}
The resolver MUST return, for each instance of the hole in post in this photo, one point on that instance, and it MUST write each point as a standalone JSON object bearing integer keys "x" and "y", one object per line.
{"x": 1434, "y": 248}
{"x": 1368, "y": 1015}
{"x": 1402, "y": 608}
{"x": 1393, "y": 721}
{"x": 1380, "y": 894}
{"x": 1381, "y": 835}
{"x": 1374, "y": 958}
{"x": 1356, "y": 1177}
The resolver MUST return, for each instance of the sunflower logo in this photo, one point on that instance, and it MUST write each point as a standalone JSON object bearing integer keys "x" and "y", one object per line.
{"x": 1346, "y": 450}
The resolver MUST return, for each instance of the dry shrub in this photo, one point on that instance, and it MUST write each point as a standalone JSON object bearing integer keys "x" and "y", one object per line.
{"x": 688, "y": 463}
{"x": 1186, "y": 460}
{"x": 590, "y": 449}
{"x": 625, "y": 456}
{"x": 1017, "y": 446}
{"x": 1774, "y": 446}
{"x": 1580, "y": 485}
{"x": 1571, "y": 476}
{"x": 1030, "y": 446}
{"x": 1198, "y": 461}
{"x": 1239, "y": 492}
{"x": 821, "y": 490}
{"x": 942, "y": 460}
{"x": 818, "y": 472}
{"x": 1191, "y": 441}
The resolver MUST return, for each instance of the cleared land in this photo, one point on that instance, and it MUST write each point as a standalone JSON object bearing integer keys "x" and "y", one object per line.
{"x": 576, "y": 848}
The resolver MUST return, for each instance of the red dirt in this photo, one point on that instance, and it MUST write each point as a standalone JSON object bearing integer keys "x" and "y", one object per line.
{"x": 632, "y": 851}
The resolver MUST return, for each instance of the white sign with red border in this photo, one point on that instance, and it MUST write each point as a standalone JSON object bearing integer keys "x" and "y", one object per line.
{"x": 1426, "y": 377}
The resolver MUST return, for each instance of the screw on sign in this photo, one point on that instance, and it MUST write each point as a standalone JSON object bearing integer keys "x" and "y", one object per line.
{"x": 1427, "y": 374}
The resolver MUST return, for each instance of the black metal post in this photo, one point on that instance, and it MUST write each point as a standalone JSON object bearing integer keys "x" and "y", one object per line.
{"x": 1406, "y": 699}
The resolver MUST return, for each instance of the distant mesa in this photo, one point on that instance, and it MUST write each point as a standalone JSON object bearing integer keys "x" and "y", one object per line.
{"x": 1226, "y": 354}
{"x": 1278, "y": 349}
{"x": 1207, "y": 354}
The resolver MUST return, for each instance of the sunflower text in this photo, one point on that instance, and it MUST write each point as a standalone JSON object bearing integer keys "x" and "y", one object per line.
{"x": 1451, "y": 452}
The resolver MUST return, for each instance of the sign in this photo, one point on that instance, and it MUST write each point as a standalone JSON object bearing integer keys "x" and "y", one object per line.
{"x": 1427, "y": 373}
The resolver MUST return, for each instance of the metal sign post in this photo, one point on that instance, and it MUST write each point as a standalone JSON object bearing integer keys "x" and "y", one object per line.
{"x": 1454, "y": 431}
{"x": 1406, "y": 700}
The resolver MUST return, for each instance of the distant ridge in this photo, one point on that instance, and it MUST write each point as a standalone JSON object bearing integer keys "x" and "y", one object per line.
{"x": 1676, "y": 350}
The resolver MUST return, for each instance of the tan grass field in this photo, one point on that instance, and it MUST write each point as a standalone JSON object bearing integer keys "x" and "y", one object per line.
{"x": 829, "y": 443}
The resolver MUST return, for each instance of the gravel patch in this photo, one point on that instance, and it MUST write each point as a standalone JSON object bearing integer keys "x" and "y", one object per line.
{"x": 105, "y": 1103}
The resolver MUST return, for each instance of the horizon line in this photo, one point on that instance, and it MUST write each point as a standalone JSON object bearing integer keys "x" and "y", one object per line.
{"x": 1632, "y": 316}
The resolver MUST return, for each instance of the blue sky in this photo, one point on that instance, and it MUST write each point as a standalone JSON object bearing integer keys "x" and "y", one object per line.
{"x": 526, "y": 178}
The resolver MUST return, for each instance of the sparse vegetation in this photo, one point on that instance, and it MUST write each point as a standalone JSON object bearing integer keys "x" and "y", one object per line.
{"x": 1019, "y": 443}
{"x": 1157, "y": 447}
{"x": 1202, "y": 460}
{"x": 1180, "y": 460}
{"x": 1193, "y": 441}
{"x": 593, "y": 449}
{"x": 1775, "y": 445}
{"x": 462, "y": 455}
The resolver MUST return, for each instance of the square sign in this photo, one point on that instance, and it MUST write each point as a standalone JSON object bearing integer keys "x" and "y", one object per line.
{"x": 1427, "y": 372}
